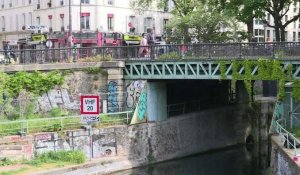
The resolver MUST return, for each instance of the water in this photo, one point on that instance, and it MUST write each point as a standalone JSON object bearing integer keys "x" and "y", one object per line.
{"x": 233, "y": 161}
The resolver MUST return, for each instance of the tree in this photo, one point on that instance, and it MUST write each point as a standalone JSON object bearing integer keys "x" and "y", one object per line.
{"x": 243, "y": 11}
{"x": 278, "y": 9}
{"x": 206, "y": 24}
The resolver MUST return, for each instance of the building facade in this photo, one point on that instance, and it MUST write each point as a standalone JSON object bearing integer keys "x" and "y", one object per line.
{"x": 86, "y": 15}
{"x": 292, "y": 31}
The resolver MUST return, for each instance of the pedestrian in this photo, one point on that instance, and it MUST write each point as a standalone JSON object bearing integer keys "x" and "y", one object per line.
{"x": 151, "y": 41}
{"x": 7, "y": 52}
{"x": 144, "y": 50}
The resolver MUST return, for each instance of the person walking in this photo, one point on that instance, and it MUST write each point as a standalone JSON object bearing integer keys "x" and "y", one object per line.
{"x": 7, "y": 52}
{"x": 143, "y": 50}
{"x": 151, "y": 42}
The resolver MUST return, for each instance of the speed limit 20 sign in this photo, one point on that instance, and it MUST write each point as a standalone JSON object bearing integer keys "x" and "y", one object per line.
{"x": 89, "y": 105}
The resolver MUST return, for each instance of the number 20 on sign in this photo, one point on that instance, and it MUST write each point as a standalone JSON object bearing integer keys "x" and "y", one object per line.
{"x": 89, "y": 104}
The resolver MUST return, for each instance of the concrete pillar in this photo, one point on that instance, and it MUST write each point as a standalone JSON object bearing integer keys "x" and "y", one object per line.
{"x": 156, "y": 101}
{"x": 241, "y": 92}
{"x": 115, "y": 90}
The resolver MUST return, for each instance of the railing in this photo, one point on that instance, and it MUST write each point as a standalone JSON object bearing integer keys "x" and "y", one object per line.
{"x": 276, "y": 50}
{"x": 59, "y": 123}
{"x": 290, "y": 139}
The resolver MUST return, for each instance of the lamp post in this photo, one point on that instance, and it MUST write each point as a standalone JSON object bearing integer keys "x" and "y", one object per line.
{"x": 80, "y": 24}
{"x": 70, "y": 21}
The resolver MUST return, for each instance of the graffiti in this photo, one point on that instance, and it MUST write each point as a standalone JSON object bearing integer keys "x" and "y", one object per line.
{"x": 133, "y": 93}
{"x": 55, "y": 98}
{"x": 43, "y": 137}
{"x": 112, "y": 100}
{"x": 142, "y": 106}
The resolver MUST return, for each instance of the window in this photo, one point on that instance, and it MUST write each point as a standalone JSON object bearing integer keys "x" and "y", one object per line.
{"x": 85, "y": 21}
{"x": 294, "y": 36}
{"x": 17, "y": 23}
{"x": 85, "y": 1}
{"x": 110, "y": 22}
{"x": 147, "y": 24}
{"x": 165, "y": 23}
{"x": 24, "y": 19}
{"x": 38, "y": 20}
{"x": 62, "y": 22}
{"x": 285, "y": 35}
{"x": 110, "y": 2}
{"x": 3, "y": 23}
{"x": 30, "y": 17}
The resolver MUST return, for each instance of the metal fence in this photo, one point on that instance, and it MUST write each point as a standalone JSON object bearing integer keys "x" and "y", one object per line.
{"x": 275, "y": 50}
{"x": 60, "y": 123}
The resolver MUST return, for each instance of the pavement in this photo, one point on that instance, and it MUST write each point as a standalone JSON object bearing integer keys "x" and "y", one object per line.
{"x": 95, "y": 167}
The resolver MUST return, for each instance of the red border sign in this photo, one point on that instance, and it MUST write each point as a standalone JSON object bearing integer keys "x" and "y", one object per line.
{"x": 83, "y": 97}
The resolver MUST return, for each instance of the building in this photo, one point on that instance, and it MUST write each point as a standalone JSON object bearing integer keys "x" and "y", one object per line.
{"x": 86, "y": 15}
{"x": 292, "y": 34}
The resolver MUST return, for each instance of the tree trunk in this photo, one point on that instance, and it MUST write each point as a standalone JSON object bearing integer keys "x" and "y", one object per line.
{"x": 250, "y": 30}
{"x": 282, "y": 33}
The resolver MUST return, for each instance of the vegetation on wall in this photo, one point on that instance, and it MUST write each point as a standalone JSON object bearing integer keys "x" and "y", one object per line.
{"x": 266, "y": 70}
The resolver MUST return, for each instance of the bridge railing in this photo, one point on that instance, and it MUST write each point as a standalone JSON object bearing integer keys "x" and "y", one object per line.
{"x": 275, "y": 50}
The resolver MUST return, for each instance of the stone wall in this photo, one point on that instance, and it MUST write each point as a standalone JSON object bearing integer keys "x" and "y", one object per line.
{"x": 176, "y": 137}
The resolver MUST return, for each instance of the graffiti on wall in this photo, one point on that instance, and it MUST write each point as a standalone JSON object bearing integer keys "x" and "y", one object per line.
{"x": 139, "y": 115}
{"x": 112, "y": 100}
{"x": 57, "y": 98}
{"x": 133, "y": 93}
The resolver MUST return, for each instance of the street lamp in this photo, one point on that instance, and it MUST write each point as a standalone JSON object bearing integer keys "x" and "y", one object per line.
{"x": 70, "y": 23}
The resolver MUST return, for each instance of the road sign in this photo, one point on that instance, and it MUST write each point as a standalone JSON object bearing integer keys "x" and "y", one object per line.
{"x": 89, "y": 104}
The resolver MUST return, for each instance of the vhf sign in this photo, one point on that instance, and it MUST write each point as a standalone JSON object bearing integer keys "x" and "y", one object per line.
{"x": 89, "y": 108}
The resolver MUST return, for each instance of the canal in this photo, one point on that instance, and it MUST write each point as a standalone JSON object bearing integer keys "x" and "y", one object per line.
{"x": 238, "y": 160}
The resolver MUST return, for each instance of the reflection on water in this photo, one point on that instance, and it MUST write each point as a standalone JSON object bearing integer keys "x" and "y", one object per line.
{"x": 233, "y": 161}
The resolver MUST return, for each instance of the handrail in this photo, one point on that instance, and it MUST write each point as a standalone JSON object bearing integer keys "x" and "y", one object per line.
{"x": 8, "y": 127}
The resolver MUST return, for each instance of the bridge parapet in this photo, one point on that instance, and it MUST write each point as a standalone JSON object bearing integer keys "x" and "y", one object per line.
{"x": 203, "y": 51}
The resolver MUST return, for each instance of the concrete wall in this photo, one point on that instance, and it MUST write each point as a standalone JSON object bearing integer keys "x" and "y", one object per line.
{"x": 156, "y": 101}
{"x": 281, "y": 161}
{"x": 183, "y": 135}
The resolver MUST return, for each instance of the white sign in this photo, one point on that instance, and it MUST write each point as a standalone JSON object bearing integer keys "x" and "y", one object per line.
{"x": 90, "y": 118}
{"x": 89, "y": 105}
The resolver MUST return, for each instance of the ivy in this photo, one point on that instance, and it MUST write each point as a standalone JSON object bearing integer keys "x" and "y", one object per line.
{"x": 266, "y": 70}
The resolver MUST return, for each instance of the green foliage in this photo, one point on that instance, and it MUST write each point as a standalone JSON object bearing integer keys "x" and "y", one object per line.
{"x": 58, "y": 112}
{"x": 6, "y": 161}
{"x": 169, "y": 56}
{"x": 267, "y": 70}
{"x": 63, "y": 156}
{"x": 35, "y": 83}
{"x": 97, "y": 58}
{"x": 92, "y": 70}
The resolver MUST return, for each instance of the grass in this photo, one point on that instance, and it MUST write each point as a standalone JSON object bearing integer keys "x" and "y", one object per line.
{"x": 53, "y": 159}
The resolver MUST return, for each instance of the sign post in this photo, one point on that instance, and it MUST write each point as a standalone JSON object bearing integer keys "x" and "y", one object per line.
{"x": 90, "y": 110}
